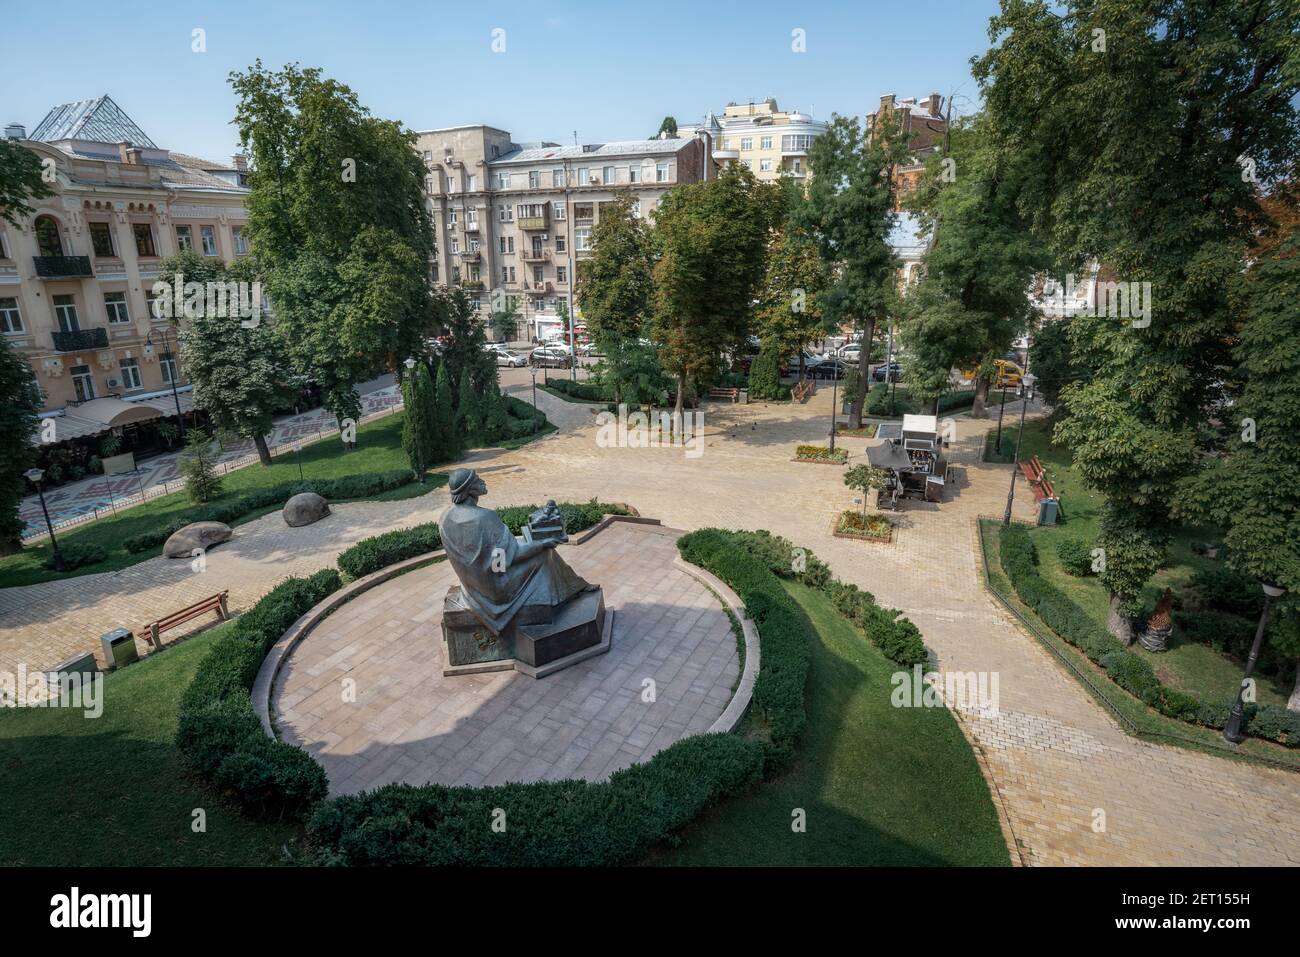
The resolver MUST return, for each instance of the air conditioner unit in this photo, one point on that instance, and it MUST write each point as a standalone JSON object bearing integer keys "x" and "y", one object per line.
{"x": 114, "y": 384}
{"x": 545, "y": 237}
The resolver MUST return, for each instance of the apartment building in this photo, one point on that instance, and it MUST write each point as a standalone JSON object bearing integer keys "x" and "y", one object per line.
{"x": 924, "y": 124}
{"x": 761, "y": 136}
{"x": 513, "y": 220}
{"x": 76, "y": 275}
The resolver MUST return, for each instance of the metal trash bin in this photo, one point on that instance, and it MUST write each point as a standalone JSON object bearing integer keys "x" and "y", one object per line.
{"x": 1048, "y": 509}
{"x": 119, "y": 648}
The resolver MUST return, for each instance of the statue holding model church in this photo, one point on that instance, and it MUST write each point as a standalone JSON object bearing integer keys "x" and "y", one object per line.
{"x": 518, "y": 605}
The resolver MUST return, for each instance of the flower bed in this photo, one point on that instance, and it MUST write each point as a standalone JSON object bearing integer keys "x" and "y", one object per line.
{"x": 868, "y": 431}
{"x": 868, "y": 528}
{"x": 821, "y": 455}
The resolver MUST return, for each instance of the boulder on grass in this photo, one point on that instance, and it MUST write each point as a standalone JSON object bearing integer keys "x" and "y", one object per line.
{"x": 202, "y": 535}
{"x": 305, "y": 508}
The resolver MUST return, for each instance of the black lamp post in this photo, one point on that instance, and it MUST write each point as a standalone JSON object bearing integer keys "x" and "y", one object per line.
{"x": 1028, "y": 381}
{"x": 997, "y": 446}
{"x": 35, "y": 475}
{"x": 532, "y": 370}
{"x": 1232, "y": 730}
{"x": 176, "y": 368}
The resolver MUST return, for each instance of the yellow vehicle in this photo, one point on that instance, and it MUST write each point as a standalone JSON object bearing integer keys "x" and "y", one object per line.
{"x": 1005, "y": 373}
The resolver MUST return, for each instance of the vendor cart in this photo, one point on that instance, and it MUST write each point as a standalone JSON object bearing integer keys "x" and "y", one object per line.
{"x": 914, "y": 462}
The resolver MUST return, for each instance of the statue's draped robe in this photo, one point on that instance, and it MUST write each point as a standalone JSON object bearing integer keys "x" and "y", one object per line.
{"x": 471, "y": 535}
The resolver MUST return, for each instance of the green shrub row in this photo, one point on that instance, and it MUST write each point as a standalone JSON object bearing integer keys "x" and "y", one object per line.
{"x": 77, "y": 555}
{"x": 233, "y": 509}
{"x": 581, "y": 389}
{"x": 1127, "y": 669}
{"x": 217, "y": 729}
{"x": 371, "y": 554}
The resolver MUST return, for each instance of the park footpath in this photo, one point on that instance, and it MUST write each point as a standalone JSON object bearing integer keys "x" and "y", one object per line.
{"x": 1070, "y": 786}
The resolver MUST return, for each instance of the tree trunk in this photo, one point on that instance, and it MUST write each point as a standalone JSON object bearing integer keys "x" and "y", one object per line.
{"x": 263, "y": 453}
{"x": 1118, "y": 623}
{"x": 679, "y": 405}
{"x": 864, "y": 376}
{"x": 979, "y": 409}
{"x": 801, "y": 365}
{"x": 1293, "y": 703}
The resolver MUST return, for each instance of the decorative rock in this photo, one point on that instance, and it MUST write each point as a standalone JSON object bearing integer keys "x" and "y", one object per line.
{"x": 201, "y": 535}
{"x": 305, "y": 508}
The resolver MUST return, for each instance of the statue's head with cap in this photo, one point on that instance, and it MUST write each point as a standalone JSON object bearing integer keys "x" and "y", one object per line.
{"x": 465, "y": 486}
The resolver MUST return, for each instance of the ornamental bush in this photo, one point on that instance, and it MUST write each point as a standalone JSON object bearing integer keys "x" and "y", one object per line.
{"x": 1075, "y": 556}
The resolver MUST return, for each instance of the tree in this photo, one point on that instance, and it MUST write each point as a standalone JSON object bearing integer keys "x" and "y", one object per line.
{"x": 971, "y": 301}
{"x": 849, "y": 213}
{"x": 198, "y": 466}
{"x": 419, "y": 422}
{"x": 239, "y": 366}
{"x": 765, "y": 373}
{"x": 1054, "y": 362}
{"x": 1249, "y": 487}
{"x": 448, "y": 439}
{"x": 469, "y": 419}
{"x": 667, "y": 129}
{"x": 616, "y": 283}
{"x": 712, "y": 236}
{"x": 790, "y": 316}
{"x": 20, "y": 180}
{"x": 338, "y": 220}
{"x": 1155, "y": 195}
{"x": 864, "y": 478}
{"x": 22, "y": 401}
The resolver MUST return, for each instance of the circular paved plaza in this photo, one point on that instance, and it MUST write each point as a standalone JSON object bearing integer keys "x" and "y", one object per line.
{"x": 399, "y": 718}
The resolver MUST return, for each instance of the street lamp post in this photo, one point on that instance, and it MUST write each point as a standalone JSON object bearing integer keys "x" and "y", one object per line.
{"x": 835, "y": 381}
{"x": 532, "y": 370}
{"x": 1232, "y": 730}
{"x": 176, "y": 368}
{"x": 997, "y": 446}
{"x": 1028, "y": 381}
{"x": 35, "y": 475}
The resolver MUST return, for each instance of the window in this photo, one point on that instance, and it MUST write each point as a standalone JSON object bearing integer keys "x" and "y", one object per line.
{"x": 471, "y": 218}
{"x": 559, "y": 211}
{"x": 428, "y": 156}
{"x": 11, "y": 319}
{"x": 607, "y": 175}
{"x": 746, "y": 142}
{"x": 507, "y": 243}
{"x": 130, "y": 373}
{"x": 151, "y": 306}
{"x": 507, "y": 273}
{"x": 765, "y": 143}
{"x": 473, "y": 245}
{"x": 557, "y": 178}
{"x": 184, "y": 238}
{"x": 115, "y": 306}
{"x": 559, "y": 244}
{"x": 238, "y": 241}
{"x": 582, "y": 239}
{"x": 48, "y": 242}
{"x": 795, "y": 143}
{"x": 584, "y": 177}
{"x": 471, "y": 183}
{"x": 144, "y": 240}
{"x": 101, "y": 240}
{"x": 634, "y": 174}
{"x": 83, "y": 383}
{"x": 505, "y": 214}
{"x": 4, "y": 247}
{"x": 209, "y": 236}
{"x": 537, "y": 274}
{"x": 167, "y": 365}
{"x": 451, "y": 217}
{"x": 451, "y": 184}
{"x": 534, "y": 179}
{"x": 428, "y": 184}
{"x": 65, "y": 310}
{"x": 797, "y": 165}
{"x": 532, "y": 210}
{"x": 503, "y": 180}
{"x": 455, "y": 275}
{"x": 561, "y": 274}
{"x": 454, "y": 245}
{"x": 661, "y": 172}
{"x": 765, "y": 165}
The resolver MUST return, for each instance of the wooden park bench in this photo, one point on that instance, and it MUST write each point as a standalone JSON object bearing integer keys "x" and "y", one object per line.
{"x": 152, "y": 631}
{"x": 804, "y": 389}
{"x": 732, "y": 394}
{"x": 1037, "y": 477}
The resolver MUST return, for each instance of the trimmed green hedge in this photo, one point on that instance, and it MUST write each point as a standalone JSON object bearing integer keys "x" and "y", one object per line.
{"x": 371, "y": 554}
{"x": 1127, "y": 669}
{"x": 217, "y": 729}
{"x": 349, "y": 486}
{"x": 583, "y": 390}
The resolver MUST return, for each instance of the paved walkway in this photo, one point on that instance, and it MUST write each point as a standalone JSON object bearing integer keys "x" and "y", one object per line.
{"x": 406, "y": 722}
{"x": 1056, "y": 758}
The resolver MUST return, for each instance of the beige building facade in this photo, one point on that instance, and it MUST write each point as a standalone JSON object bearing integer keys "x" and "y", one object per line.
{"x": 513, "y": 221}
{"x": 770, "y": 141}
{"x": 76, "y": 275}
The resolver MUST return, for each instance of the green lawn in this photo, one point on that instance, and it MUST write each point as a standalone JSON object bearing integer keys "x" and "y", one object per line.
{"x": 113, "y": 790}
{"x": 1187, "y": 666}
{"x": 379, "y": 449}
{"x": 880, "y": 785}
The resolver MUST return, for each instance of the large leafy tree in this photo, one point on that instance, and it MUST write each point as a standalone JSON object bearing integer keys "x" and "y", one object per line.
{"x": 239, "y": 365}
{"x": 849, "y": 213}
{"x": 1249, "y": 487}
{"x": 711, "y": 238}
{"x": 22, "y": 401}
{"x": 20, "y": 181}
{"x": 1156, "y": 195}
{"x": 790, "y": 315}
{"x": 338, "y": 221}
{"x": 971, "y": 301}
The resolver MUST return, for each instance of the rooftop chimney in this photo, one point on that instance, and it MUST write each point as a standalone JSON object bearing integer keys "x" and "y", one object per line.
{"x": 934, "y": 104}
{"x": 15, "y": 131}
{"x": 887, "y": 101}
{"x": 128, "y": 154}
{"x": 239, "y": 161}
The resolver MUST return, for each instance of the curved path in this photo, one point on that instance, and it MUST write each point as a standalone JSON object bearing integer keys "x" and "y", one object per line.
{"x": 1056, "y": 758}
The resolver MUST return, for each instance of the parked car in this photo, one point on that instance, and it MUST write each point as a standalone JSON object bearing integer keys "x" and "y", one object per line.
{"x": 850, "y": 351}
{"x": 831, "y": 367}
{"x": 511, "y": 360}
{"x": 550, "y": 357}
{"x": 895, "y": 373}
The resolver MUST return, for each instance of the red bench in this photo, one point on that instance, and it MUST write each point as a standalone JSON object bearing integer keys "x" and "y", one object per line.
{"x": 1037, "y": 477}
{"x": 151, "y": 631}
{"x": 804, "y": 389}
{"x": 732, "y": 394}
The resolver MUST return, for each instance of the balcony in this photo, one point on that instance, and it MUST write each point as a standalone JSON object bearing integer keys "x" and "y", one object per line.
{"x": 81, "y": 340}
{"x": 719, "y": 153}
{"x": 471, "y": 226}
{"x": 469, "y": 256}
{"x": 533, "y": 222}
{"x": 535, "y": 255}
{"x": 63, "y": 267}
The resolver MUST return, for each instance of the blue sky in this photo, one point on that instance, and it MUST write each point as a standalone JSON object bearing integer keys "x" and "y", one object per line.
{"x": 609, "y": 70}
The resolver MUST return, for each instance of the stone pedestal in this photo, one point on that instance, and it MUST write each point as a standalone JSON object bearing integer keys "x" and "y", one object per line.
{"x": 541, "y": 640}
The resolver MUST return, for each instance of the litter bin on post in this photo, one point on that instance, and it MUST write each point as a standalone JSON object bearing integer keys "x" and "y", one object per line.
{"x": 1047, "y": 511}
{"x": 119, "y": 648}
